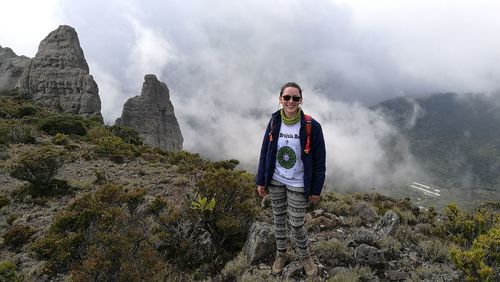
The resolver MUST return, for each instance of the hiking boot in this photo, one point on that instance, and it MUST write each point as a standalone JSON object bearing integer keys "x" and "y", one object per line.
{"x": 280, "y": 262}
{"x": 309, "y": 266}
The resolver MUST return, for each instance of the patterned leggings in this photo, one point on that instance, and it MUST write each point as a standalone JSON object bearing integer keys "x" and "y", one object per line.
{"x": 288, "y": 199}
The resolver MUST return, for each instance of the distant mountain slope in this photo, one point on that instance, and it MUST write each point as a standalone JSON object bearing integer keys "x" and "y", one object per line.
{"x": 457, "y": 137}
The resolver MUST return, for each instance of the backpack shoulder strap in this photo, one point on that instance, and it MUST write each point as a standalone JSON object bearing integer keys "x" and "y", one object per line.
{"x": 307, "y": 118}
{"x": 271, "y": 129}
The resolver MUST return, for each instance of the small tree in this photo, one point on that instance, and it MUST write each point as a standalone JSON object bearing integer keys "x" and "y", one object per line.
{"x": 39, "y": 168}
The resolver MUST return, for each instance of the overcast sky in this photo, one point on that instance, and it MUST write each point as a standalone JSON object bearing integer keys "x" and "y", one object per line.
{"x": 224, "y": 62}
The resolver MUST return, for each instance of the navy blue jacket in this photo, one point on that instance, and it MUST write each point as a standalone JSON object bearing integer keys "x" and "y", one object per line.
{"x": 314, "y": 162}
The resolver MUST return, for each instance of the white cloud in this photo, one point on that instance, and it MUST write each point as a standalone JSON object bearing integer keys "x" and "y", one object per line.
{"x": 23, "y": 22}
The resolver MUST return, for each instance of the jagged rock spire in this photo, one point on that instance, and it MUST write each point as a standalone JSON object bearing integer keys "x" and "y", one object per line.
{"x": 152, "y": 115}
{"x": 58, "y": 76}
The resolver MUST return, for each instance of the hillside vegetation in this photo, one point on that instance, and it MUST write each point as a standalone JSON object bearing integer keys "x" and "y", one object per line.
{"x": 81, "y": 201}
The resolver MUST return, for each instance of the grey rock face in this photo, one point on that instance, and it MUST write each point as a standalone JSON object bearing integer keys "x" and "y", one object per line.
{"x": 58, "y": 76}
{"x": 152, "y": 115}
{"x": 369, "y": 255}
{"x": 388, "y": 225}
{"x": 260, "y": 244}
{"x": 11, "y": 68}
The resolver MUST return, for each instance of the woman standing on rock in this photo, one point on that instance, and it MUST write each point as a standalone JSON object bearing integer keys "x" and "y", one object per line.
{"x": 292, "y": 168}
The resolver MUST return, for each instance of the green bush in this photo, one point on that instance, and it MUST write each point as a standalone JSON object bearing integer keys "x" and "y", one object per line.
{"x": 16, "y": 236}
{"x": 128, "y": 135}
{"x": 114, "y": 148}
{"x": 225, "y": 164}
{"x": 482, "y": 261}
{"x": 26, "y": 110}
{"x": 236, "y": 205}
{"x": 333, "y": 203}
{"x": 434, "y": 250}
{"x": 358, "y": 273}
{"x": 15, "y": 132}
{"x": 60, "y": 139}
{"x": 333, "y": 252}
{"x": 8, "y": 272}
{"x": 210, "y": 227}
{"x": 66, "y": 124}
{"x": 101, "y": 237}
{"x": 463, "y": 227}
{"x": 39, "y": 167}
{"x": 4, "y": 201}
{"x": 98, "y": 132}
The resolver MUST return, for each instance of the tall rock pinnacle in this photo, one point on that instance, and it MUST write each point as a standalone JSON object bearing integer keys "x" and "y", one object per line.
{"x": 58, "y": 76}
{"x": 152, "y": 115}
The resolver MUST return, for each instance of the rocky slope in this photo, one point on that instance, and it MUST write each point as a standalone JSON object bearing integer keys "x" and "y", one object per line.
{"x": 112, "y": 210}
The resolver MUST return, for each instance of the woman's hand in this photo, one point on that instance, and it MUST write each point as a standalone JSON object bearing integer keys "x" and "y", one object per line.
{"x": 314, "y": 198}
{"x": 262, "y": 191}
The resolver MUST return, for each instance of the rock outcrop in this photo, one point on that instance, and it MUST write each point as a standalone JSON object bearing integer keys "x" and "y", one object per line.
{"x": 58, "y": 76}
{"x": 11, "y": 68}
{"x": 152, "y": 115}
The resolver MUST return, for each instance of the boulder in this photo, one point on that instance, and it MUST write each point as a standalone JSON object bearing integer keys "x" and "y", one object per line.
{"x": 368, "y": 255}
{"x": 364, "y": 236}
{"x": 260, "y": 245}
{"x": 388, "y": 225}
{"x": 152, "y": 115}
{"x": 364, "y": 211}
{"x": 58, "y": 76}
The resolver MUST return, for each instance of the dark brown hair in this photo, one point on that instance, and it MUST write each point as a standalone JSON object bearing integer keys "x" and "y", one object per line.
{"x": 290, "y": 84}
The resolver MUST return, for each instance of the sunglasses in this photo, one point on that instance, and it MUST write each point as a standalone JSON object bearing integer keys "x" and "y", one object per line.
{"x": 295, "y": 98}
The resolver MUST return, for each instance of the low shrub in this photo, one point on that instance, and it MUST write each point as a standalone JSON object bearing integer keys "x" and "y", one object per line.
{"x": 333, "y": 203}
{"x": 358, "y": 273}
{"x": 98, "y": 132}
{"x": 16, "y": 236}
{"x": 114, "y": 148}
{"x": 390, "y": 246}
{"x": 211, "y": 226}
{"x": 66, "y": 124}
{"x": 225, "y": 164}
{"x": 235, "y": 268}
{"x": 39, "y": 167}
{"x": 333, "y": 252}
{"x": 8, "y": 272}
{"x": 4, "y": 201}
{"x": 406, "y": 235}
{"x": 186, "y": 162}
{"x": 128, "y": 135}
{"x": 434, "y": 250}
{"x": 26, "y": 110}
{"x": 482, "y": 261}
{"x": 236, "y": 205}
{"x": 60, "y": 139}
{"x": 102, "y": 237}
{"x": 463, "y": 227}
{"x": 12, "y": 131}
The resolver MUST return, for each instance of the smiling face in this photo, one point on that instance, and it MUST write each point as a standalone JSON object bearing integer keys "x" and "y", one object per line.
{"x": 290, "y": 107}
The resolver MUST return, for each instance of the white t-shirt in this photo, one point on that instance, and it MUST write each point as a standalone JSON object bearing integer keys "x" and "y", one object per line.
{"x": 289, "y": 167}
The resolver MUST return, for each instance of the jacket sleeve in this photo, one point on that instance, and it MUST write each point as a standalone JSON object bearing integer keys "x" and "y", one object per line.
{"x": 260, "y": 179}
{"x": 319, "y": 160}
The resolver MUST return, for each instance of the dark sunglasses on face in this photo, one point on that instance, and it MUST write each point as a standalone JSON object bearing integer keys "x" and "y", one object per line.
{"x": 295, "y": 98}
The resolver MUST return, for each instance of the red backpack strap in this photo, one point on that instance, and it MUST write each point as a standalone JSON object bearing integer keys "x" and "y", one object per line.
{"x": 307, "y": 118}
{"x": 271, "y": 129}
